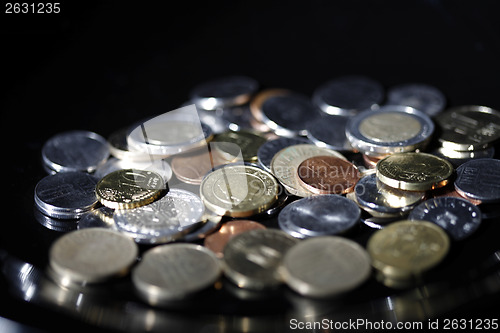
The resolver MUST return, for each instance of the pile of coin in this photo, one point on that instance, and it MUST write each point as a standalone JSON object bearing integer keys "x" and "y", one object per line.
{"x": 216, "y": 170}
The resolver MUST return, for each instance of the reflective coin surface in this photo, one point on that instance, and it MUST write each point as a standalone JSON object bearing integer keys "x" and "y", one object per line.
{"x": 266, "y": 152}
{"x": 329, "y": 131}
{"x": 161, "y": 167}
{"x": 423, "y": 97}
{"x": 231, "y": 144}
{"x": 101, "y": 217}
{"x": 479, "y": 180}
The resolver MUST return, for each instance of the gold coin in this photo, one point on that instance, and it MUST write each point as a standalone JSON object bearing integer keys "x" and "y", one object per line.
{"x": 231, "y": 144}
{"x": 285, "y": 163}
{"x": 239, "y": 190}
{"x": 407, "y": 248}
{"x": 129, "y": 188}
{"x": 386, "y": 127}
{"x": 414, "y": 171}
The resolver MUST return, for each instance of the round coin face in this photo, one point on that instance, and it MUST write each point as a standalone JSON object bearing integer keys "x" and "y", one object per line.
{"x": 458, "y": 217}
{"x": 423, "y": 97}
{"x": 321, "y": 215}
{"x": 479, "y": 180}
{"x": 92, "y": 255}
{"x": 230, "y": 144}
{"x": 239, "y": 190}
{"x": 129, "y": 188}
{"x": 329, "y": 131}
{"x": 328, "y": 175}
{"x": 175, "y": 271}
{"x": 407, "y": 248}
{"x": 325, "y": 266}
{"x": 267, "y": 151}
{"x": 252, "y": 259}
{"x": 414, "y": 171}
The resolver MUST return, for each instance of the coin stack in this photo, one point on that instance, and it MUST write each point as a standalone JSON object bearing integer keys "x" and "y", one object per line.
{"x": 228, "y": 166}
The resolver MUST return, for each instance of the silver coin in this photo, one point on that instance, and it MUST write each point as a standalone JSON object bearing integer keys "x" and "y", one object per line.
{"x": 479, "y": 179}
{"x": 326, "y": 266}
{"x": 423, "y": 97}
{"x": 66, "y": 195}
{"x": 329, "y": 132}
{"x": 391, "y": 129}
{"x": 161, "y": 167}
{"x": 101, "y": 217}
{"x": 164, "y": 220}
{"x": 348, "y": 95}
{"x": 92, "y": 255}
{"x": 224, "y": 92}
{"x": 75, "y": 151}
{"x": 175, "y": 271}
{"x": 60, "y": 225}
{"x": 251, "y": 259}
{"x": 320, "y": 215}
{"x": 381, "y": 198}
{"x": 267, "y": 151}
{"x": 119, "y": 148}
{"x": 288, "y": 114}
{"x": 457, "y": 158}
{"x": 458, "y": 217}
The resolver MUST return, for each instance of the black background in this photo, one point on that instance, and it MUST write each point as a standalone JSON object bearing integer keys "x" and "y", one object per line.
{"x": 104, "y": 65}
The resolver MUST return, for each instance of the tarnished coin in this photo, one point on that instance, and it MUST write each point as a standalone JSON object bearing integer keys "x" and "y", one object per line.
{"x": 423, "y": 97}
{"x": 218, "y": 240}
{"x": 468, "y": 127}
{"x": 329, "y": 132}
{"x": 91, "y": 255}
{"x": 407, "y": 248}
{"x": 66, "y": 195}
{"x": 232, "y": 144}
{"x": 414, "y": 171}
{"x": 161, "y": 167}
{"x": 175, "y": 271}
{"x": 479, "y": 180}
{"x": 239, "y": 190}
{"x": 325, "y": 266}
{"x": 285, "y": 163}
{"x": 129, "y": 188}
{"x": 164, "y": 220}
{"x": 75, "y": 151}
{"x": 328, "y": 175}
{"x": 251, "y": 259}
{"x": 267, "y": 151}
{"x": 458, "y": 217}
{"x": 321, "y": 215}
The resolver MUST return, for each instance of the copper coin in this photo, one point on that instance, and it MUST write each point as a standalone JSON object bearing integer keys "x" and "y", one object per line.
{"x": 328, "y": 175}
{"x": 192, "y": 167}
{"x": 218, "y": 240}
{"x": 371, "y": 161}
{"x": 450, "y": 191}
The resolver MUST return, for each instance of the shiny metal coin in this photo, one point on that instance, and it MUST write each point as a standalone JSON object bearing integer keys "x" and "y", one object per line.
{"x": 321, "y": 215}
{"x": 209, "y": 223}
{"x": 66, "y": 195}
{"x": 164, "y": 220}
{"x": 423, "y": 97}
{"x": 458, "y": 217}
{"x": 325, "y": 266}
{"x": 267, "y": 151}
{"x": 160, "y": 167}
{"x": 224, "y": 92}
{"x": 251, "y": 259}
{"x": 347, "y": 95}
{"x": 391, "y": 129}
{"x": 75, "y": 151}
{"x": 233, "y": 145}
{"x": 101, "y": 217}
{"x": 59, "y": 225}
{"x": 119, "y": 148}
{"x": 457, "y": 158}
{"x": 329, "y": 132}
{"x": 479, "y": 179}
{"x": 92, "y": 255}
{"x": 175, "y": 271}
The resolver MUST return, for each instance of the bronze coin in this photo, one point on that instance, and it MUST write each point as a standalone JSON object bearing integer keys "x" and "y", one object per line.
{"x": 371, "y": 161}
{"x": 328, "y": 175}
{"x": 218, "y": 240}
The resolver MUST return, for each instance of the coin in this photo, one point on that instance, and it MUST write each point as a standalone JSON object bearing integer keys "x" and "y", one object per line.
{"x": 329, "y": 132}
{"x": 161, "y": 167}
{"x": 450, "y": 191}
{"x": 119, "y": 148}
{"x": 174, "y": 272}
{"x": 370, "y": 161}
{"x": 260, "y": 98}
{"x": 407, "y": 248}
{"x": 325, "y": 266}
{"x": 457, "y": 158}
{"x": 101, "y": 217}
{"x": 414, "y": 171}
{"x": 251, "y": 259}
{"x": 66, "y": 195}
{"x": 468, "y": 127}
{"x": 239, "y": 190}
{"x": 376, "y": 196}
{"x": 322, "y": 215}
{"x": 458, "y": 217}
{"x": 231, "y": 144}
{"x": 55, "y": 224}
{"x": 75, "y": 151}
{"x": 219, "y": 239}
{"x": 91, "y": 255}
{"x": 391, "y": 129}
{"x": 267, "y": 151}
{"x": 164, "y": 220}
{"x": 347, "y": 95}
{"x": 224, "y": 92}
{"x": 479, "y": 180}
{"x": 285, "y": 163}
{"x": 423, "y": 97}
{"x": 129, "y": 188}
{"x": 328, "y": 175}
